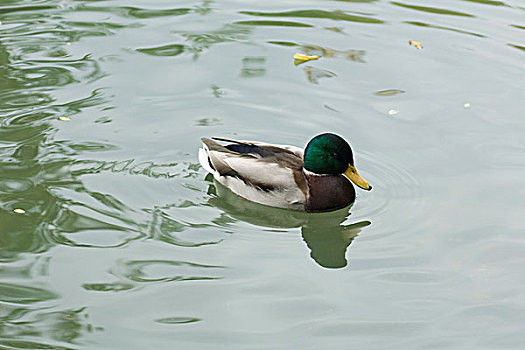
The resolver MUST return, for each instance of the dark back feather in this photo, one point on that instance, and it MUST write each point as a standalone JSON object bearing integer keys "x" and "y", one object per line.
{"x": 264, "y": 153}
{"x": 247, "y": 149}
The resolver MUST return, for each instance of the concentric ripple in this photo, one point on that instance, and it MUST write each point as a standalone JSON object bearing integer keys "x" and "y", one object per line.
{"x": 395, "y": 190}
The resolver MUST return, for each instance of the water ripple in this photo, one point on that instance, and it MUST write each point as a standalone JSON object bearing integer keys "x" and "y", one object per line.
{"x": 165, "y": 50}
{"x": 422, "y": 24}
{"x": 415, "y": 277}
{"x": 197, "y": 42}
{"x": 519, "y": 47}
{"x": 273, "y": 23}
{"x": 91, "y": 229}
{"x": 21, "y": 294}
{"x": 14, "y": 185}
{"x": 32, "y": 8}
{"x": 132, "y": 167}
{"x": 337, "y": 15}
{"x": 136, "y": 12}
{"x": 313, "y": 74}
{"x": 59, "y": 329}
{"x": 178, "y": 320}
{"x": 488, "y": 2}
{"x": 396, "y": 190}
{"x": 325, "y": 52}
{"x": 166, "y": 228}
{"x": 434, "y": 10}
{"x": 140, "y": 273}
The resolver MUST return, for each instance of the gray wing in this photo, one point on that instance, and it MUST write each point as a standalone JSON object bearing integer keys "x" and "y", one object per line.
{"x": 266, "y": 166}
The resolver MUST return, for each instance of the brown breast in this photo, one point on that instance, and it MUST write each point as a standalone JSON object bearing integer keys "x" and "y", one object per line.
{"x": 328, "y": 192}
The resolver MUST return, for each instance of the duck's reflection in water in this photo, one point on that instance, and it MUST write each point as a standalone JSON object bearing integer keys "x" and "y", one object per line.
{"x": 323, "y": 233}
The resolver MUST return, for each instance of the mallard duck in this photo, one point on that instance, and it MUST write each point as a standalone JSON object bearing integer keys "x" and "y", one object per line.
{"x": 313, "y": 180}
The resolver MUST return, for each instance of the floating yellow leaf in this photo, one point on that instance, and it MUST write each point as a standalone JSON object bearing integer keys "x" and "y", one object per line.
{"x": 66, "y": 119}
{"x": 300, "y": 58}
{"x": 417, "y": 44}
{"x": 19, "y": 211}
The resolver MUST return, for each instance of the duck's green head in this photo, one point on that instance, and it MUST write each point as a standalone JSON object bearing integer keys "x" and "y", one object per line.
{"x": 329, "y": 154}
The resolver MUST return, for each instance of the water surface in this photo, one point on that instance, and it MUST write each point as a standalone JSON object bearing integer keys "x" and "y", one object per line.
{"x": 121, "y": 241}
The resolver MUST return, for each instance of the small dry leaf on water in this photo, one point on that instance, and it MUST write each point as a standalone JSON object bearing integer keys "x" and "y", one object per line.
{"x": 300, "y": 58}
{"x": 393, "y": 111}
{"x": 19, "y": 211}
{"x": 417, "y": 44}
{"x": 389, "y": 92}
{"x": 66, "y": 119}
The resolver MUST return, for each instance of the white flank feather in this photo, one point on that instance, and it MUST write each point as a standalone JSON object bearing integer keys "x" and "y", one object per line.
{"x": 203, "y": 159}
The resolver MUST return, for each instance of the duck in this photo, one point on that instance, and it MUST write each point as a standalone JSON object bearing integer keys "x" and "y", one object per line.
{"x": 316, "y": 179}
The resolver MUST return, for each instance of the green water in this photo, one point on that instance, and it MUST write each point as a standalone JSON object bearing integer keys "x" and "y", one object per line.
{"x": 124, "y": 243}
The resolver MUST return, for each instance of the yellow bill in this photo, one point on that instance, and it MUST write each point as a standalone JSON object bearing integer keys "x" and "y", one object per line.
{"x": 354, "y": 176}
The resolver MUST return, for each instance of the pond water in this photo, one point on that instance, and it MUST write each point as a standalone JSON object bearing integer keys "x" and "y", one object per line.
{"x": 113, "y": 237}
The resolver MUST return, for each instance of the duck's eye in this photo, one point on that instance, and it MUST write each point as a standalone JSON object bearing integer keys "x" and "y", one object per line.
{"x": 335, "y": 155}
